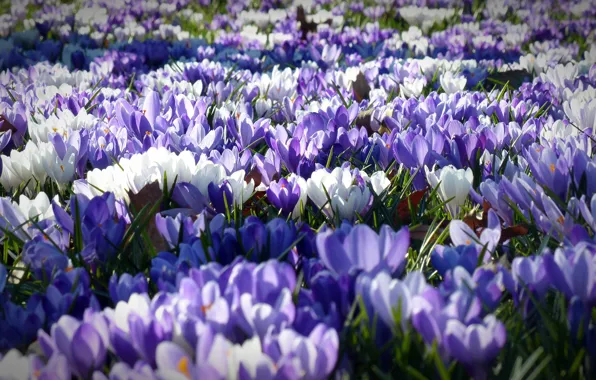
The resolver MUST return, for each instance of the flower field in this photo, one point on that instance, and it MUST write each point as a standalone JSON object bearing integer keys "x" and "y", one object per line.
{"x": 284, "y": 189}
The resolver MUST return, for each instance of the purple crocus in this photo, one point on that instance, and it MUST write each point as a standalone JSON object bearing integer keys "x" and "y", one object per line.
{"x": 361, "y": 248}
{"x": 573, "y": 273}
{"x": 475, "y": 345}
{"x": 82, "y": 343}
{"x": 288, "y": 195}
{"x": 43, "y": 258}
{"x": 121, "y": 287}
{"x": 221, "y": 196}
{"x": 444, "y": 259}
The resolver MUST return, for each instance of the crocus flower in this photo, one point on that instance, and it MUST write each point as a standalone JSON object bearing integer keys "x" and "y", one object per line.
{"x": 462, "y": 234}
{"x": 289, "y": 195}
{"x": 452, "y": 84}
{"x": 444, "y": 259}
{"x": 379, "y": 182}
{"x": 83, "y": 345}
{"x": 475, "y": 345}
{"x": 386, "y": 296}
{"x": 122, "y": 287}
{"x": 573, "y": 274}
{"x": 336, "y": 192}
{"x": 15, "y": 366}
{"x": 454, "y": 186}
{"x": 39, "y": 207}
{"x": 361, "y": 248}
{"x": 412, "y": 86}
{"x": 221, "y": 197}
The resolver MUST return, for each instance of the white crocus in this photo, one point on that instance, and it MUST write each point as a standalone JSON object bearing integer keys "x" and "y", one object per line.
{"x": 15, "y": 366}
{"x": 62, "y": 123}
{"x": 412, "y": 87}
{"x": 452, "y": 83}
{"x": 241, "y": 190}
{"x": 560, "y": 75}
{"x": 28, "y": 165}
{"x": 379, "y": 182}
{"x": 62, "y": 170}
{"x": 454, "y": 184}
{"x": 39, "y": 207}
{"x": 346, "y": 197}
{"x": 581, "y": 112}
{"x": 207, "y": 172}
{"x": 250, "y": 355}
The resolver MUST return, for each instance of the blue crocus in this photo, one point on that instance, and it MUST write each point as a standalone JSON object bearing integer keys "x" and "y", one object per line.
{"x": 19, "y": 325}
{"x": 69, "y": 292}
{"x": 221, "y": 196}
{"x": 121, "y": 287}
{"x": 3, "y": 277}
{"x": 43, "y": 258}
{"x": 444, "y": 259}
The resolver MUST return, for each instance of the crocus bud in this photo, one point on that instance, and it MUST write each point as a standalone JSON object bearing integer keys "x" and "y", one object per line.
{"x": 454, "y": 184}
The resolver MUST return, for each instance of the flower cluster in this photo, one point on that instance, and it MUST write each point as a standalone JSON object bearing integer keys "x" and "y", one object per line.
{"x": 297, "y": 189}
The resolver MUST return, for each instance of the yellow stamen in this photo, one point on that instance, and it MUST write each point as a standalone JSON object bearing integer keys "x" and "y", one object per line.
{"x": 468, "y": 242}
{"x": 552, "y": 168}
{"x": 182, "y": 366}
{"x": 561, "y": 220}
{"x": 205, "y": 308}
{"x": 62, "y": 168}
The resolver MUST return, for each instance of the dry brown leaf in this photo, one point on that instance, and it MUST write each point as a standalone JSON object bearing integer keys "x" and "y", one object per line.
{"x": 149, "y": 195}
{"x": 6, "y": 125}
{"x": 403, "y": 207}
{"x": 361, "y": 88}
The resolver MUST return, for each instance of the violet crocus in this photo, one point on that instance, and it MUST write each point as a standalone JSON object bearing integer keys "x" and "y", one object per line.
{"x": 221, "y": 196}
{"x": 82, "y": 343}
{"x": 444, "y": 258}
{"x": 530, "y": 273}
{"x": 574, "y": 274}
{"x": 174, "y": 230}
{"x": 475, "y": 345}
{"x": 361, "y": 248}
{"x": 43, "y": 258}
{"x": 288, "y": 195}
{"x": 121, "y": 287}
{"x": 314, "y": 356}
